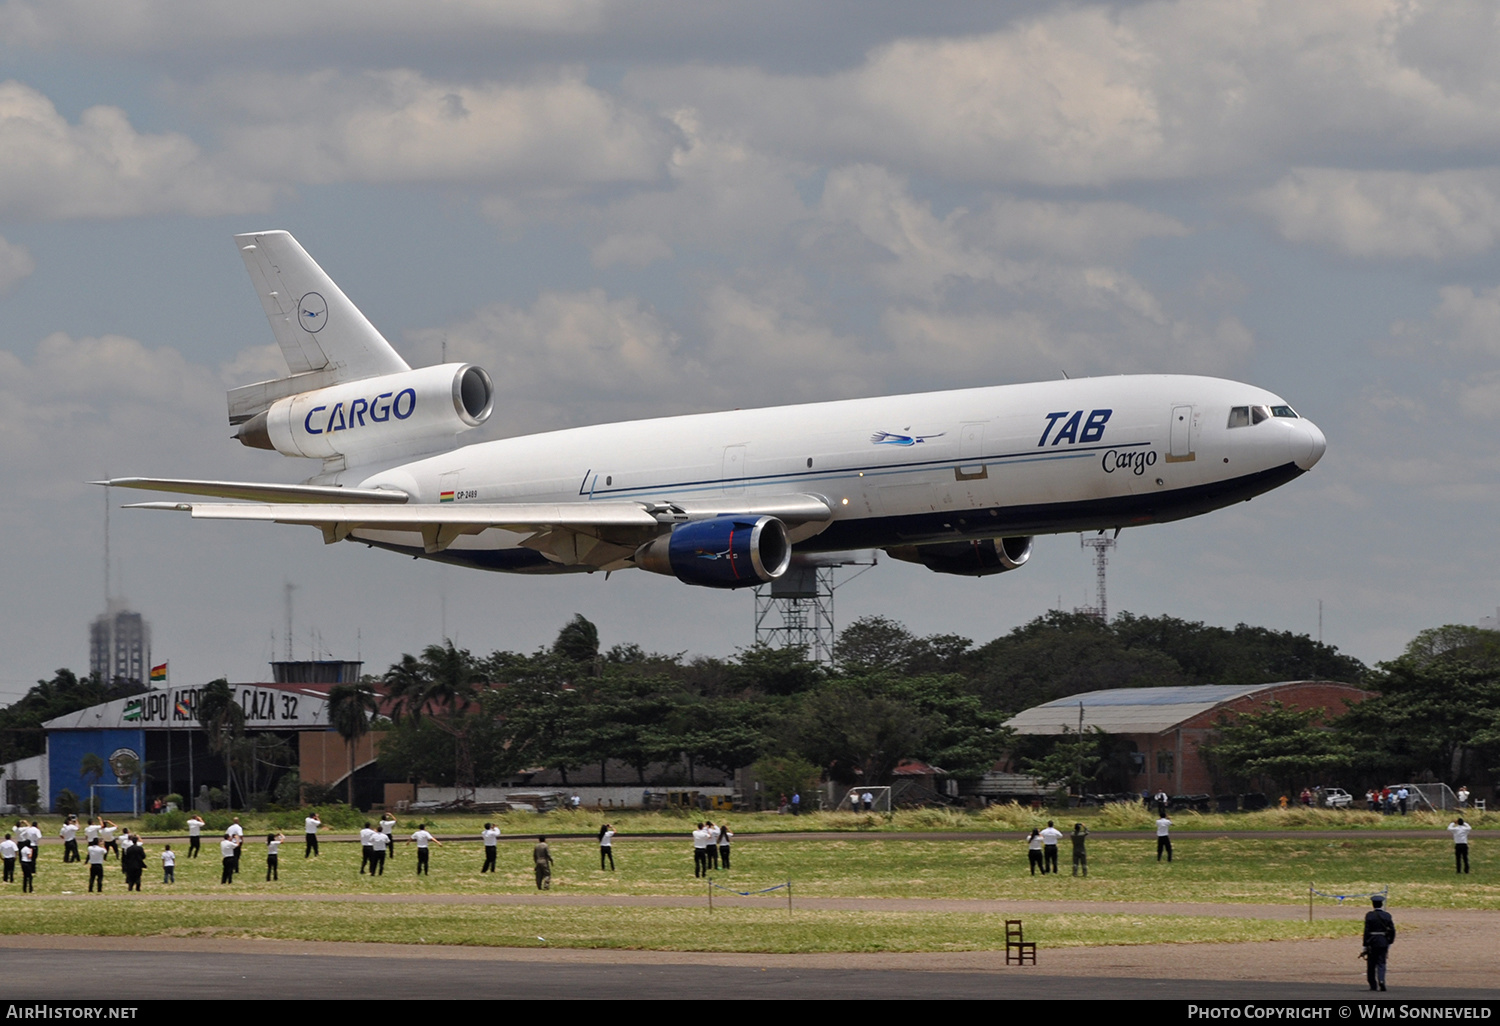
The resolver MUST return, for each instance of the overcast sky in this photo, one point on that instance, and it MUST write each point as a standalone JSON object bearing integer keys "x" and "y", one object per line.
{"x": 628, "y": 209}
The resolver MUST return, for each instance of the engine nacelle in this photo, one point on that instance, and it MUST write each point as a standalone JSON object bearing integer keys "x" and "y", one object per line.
{"x": 395, "y": 415}
{"x": 968, "y": 559}
{"x": 725, "y": 552}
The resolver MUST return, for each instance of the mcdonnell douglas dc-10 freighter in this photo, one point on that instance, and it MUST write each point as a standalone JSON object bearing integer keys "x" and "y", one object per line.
{"x": 957, "y": 481}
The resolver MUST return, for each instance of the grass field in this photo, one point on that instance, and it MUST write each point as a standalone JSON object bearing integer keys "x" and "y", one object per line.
{"x": 659, "y": 929}
{"x": 1211, "y": 866}
{"x": 996, "y": 819}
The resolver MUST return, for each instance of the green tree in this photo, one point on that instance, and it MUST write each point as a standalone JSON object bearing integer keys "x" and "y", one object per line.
{"x": 1432, "y": 715}
{"x": 578, "y": 641}
{"x": 223, "y": 720}
{"x": 875, "y": 644}
{"x": 445, "y": 685}
{"x": 1074, "y": 761}
{"x": 350, "y": 706}
{"x": 1279, "y": 747}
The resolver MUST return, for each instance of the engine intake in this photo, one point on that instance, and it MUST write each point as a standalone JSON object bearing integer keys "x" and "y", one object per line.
{"x": 725, "y": 552}
{"x": 397, "y": 414}
{"x": 968, "y": 559}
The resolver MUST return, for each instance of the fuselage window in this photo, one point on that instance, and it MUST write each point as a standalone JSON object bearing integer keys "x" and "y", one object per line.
{"x": 1239, "y": 416}
{"x": 1259, "y": 413}
{"x": 1283, "y": 411}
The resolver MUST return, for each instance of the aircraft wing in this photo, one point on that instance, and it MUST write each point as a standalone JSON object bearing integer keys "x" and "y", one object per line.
{"x": 594, "y": 533}
{"x": 258, "y": 492}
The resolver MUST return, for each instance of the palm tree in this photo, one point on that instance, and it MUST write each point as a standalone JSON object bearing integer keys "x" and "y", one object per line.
{"x": 221, "y": 716}
{"x": 443, "y": 685}
{"x": 350, "y": 707}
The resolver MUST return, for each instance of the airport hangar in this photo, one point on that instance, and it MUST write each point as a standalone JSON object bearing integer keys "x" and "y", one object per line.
{"x": 159, "y": 731}
{"x": 1168, "y": 726}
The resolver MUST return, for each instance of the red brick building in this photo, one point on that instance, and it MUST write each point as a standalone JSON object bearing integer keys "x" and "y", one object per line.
{"x": 1168, "y": 725}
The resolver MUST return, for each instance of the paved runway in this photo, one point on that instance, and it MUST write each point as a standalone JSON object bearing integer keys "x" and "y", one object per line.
{"x": 116, "y": 969}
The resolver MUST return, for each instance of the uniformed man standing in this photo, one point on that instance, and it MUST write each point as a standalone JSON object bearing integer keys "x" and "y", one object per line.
{"x": 1380, "y": 933}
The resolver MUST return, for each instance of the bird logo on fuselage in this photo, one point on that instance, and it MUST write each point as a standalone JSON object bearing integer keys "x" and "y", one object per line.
{"x": 893, "y": 438}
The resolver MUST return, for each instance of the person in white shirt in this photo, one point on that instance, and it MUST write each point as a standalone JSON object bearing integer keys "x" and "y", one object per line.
{"x": 237, "y": 834}
{"x": 423, "y": 839}
{"x": 229, "y": 850}
{"x": 168, "y": 865}
{"x": 273, "y": 848}
{"x": 491, "y": 837}
{"x": 8, "y": 851}
{"x": 1163, "y": 839}
{"x": 69, "y": 835}
{"x": 96, "y": 855}
{"x": 28, "y": 868}
{"x": 724, "y": 838}
{"x": 90, "y": 832}
{"x": 312, "y": 825}
{"x": 700, "y": 851}
{"x": 107, "y": 835}
{"x": 607, "y": 846}
{"x": 1050, "y": 836}
{"x": 1463, "y": 796}
{"x": 195, "y": 831}
{"x": 388, "y": 827}
{"x": 378, "y": 845}
{"x": 364, "y": 847}
{"x": 1460, "y": 831}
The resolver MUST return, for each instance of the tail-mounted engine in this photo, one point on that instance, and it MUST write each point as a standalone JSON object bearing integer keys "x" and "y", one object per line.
{"x": 395, "y": 414}
{"x": 725, "y": 552}
{"x": 967, "y": 559}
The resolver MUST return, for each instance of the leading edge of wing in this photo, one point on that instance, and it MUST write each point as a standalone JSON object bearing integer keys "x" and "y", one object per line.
{"x": 441, "y": 523}
{"x": 255, "y": 491}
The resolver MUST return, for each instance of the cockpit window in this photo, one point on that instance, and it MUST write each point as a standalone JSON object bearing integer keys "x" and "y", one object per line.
{"x": 1259, "y": 413}
{"x": 1239, "y": 416}
{"x": 1283, "y": 411}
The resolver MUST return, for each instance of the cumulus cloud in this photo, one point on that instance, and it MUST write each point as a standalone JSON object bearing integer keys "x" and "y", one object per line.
{"x": 16, "y": 265}
{"x": 137, "y": 25}
{"x": 1464, "y": 322}
{"x": 401, "y": 126}
{"x": 103, "y": 167}
{"x": 1094, "y": 95}
{"x": 1387, "y": 214}
{"x": 718, "y": 194}
{"x": 574, "y": 358}
{"x": 80, "y": 407}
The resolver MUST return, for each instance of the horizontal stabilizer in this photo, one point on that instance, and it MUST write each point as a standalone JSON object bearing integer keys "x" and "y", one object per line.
{"x": 257, "y": 492}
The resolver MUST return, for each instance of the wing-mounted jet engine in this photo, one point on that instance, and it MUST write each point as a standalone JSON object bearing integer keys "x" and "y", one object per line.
{"x": 725, "y": 552}
{"x": 968, "y": 558}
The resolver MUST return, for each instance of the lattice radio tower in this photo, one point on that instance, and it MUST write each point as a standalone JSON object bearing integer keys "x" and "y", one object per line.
{"x": 1101, "y": 546}
{"x": 796, "y": 609}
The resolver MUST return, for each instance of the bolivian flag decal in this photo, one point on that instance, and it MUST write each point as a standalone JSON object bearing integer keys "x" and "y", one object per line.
{"x": 445, "y": 497}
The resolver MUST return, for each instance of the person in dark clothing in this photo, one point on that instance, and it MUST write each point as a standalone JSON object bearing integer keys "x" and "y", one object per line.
{"x": 133, "y": 862}
{"x": 1080, "y": 850}
{"x": 1380, "y": 933}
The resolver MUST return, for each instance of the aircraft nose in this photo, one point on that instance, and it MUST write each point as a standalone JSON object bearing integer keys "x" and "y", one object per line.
{"x": 1307, "y": 444}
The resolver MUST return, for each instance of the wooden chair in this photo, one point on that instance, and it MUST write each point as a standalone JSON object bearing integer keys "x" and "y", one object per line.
{"x": 1018, "y": 950}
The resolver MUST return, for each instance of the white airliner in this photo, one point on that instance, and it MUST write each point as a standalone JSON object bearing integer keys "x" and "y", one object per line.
{"x": 956, "y": 481}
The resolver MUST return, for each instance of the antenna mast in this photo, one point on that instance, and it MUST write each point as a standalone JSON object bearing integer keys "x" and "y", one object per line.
{"x": 1101, "y": 546}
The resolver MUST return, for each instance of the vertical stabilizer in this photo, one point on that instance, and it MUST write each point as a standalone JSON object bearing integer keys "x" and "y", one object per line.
{"x": 315, "y": 324}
